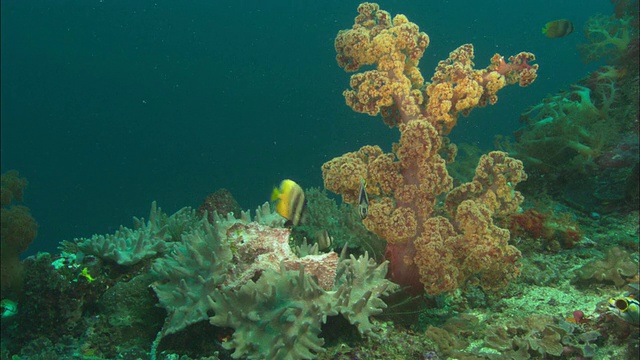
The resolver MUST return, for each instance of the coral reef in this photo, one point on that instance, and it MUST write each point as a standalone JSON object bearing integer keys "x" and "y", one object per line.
{"x": 342, "y": 222}
{"x": 53, "y": 302}
{"x": 580, "y": 145}
{"x": 146, "y": 240}
{"x": 19, "y": 229}
{"x": 215, "y": 283}
{"x": 557, "y": 230}
{"x": 607, "y": 37}
{"x": 133, "y": 319}
{"x": 235, "y": 273}
{"x": 249, "y": 278}
{"x": 403, "y": 186}
{"x": 617, "y": 267}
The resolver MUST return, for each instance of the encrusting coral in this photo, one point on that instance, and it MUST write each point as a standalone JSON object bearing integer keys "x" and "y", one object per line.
{"x": 246, "y": 275}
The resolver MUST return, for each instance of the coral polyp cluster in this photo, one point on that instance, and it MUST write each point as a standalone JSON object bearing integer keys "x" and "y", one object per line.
{"x": 427, "y": 251}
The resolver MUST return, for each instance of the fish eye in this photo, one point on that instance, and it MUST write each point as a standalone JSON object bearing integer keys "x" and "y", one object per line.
{"x": 622, "y": 304}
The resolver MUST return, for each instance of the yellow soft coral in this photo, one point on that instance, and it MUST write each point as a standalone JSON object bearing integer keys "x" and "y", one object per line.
{"x": 403, "y": 186}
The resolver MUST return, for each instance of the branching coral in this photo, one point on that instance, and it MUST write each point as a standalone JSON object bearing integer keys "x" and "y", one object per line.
{"x": 607, "y": 37}
{"x": 279, "y": 315}
{"x": 359, "y": 287}
{"x": 563, "y": 129}
{"x": 396, "y": 88}
{"x": 404, "y": 186}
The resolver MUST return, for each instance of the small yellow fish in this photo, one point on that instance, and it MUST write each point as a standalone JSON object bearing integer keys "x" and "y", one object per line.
{"x": 363, "y": 199}
{"x": 291, "y": 201}
{"x": 557, "y": 28}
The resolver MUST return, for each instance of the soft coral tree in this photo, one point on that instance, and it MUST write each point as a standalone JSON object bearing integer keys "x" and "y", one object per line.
{"x": 18, "y": 230}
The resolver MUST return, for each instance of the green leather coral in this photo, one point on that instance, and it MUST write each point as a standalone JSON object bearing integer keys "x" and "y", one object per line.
{"x": 195, "y": 267}
{"x": 617, "y": 267}
{"x": 247, "y": 276}
{"x": 129, "y": 246}
{"x": 277, "y": 317}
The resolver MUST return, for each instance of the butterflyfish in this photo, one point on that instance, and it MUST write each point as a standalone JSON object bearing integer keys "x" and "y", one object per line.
{"x": 323, "y": 239}
{"x": 291, "y": 203}
{"x": 557, "y": 28}
{"x": 363, "y": 200}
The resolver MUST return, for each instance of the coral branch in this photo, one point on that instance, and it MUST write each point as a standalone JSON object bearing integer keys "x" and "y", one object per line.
{"x": 434, "y": 253}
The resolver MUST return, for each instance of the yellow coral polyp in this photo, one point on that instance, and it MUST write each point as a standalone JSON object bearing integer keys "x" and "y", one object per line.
{"x": 400, "y": 19}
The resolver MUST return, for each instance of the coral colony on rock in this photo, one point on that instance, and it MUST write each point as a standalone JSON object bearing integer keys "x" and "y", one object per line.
{"x": 420, "y": 266}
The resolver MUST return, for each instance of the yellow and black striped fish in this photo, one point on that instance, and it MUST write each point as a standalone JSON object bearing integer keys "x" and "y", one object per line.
{"x": 291, "y": 202}
{"x": 557, "y": 28}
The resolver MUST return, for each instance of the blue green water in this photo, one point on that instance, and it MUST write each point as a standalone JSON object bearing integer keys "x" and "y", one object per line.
{"x": 108, "y": 105}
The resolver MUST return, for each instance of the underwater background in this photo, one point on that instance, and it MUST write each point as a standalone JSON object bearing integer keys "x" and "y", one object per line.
{"x": 275, "y": 216}
{"x": 108, "y": 105}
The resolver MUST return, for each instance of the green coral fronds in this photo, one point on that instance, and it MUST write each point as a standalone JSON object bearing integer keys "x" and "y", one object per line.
{"x": 361, "y": 282}
{"x": 277, "y": 317}
{"x": 196, "y": 267}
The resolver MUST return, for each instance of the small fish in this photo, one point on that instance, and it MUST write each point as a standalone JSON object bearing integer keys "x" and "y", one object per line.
{"x": 323, "y": 239}
{"x": 9, "y": 308}
{"x": 363, "y": 199}
{"x": 291, "y": 201}
{"x": 626, "y": 308}
{"x": 557, "y": 28}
